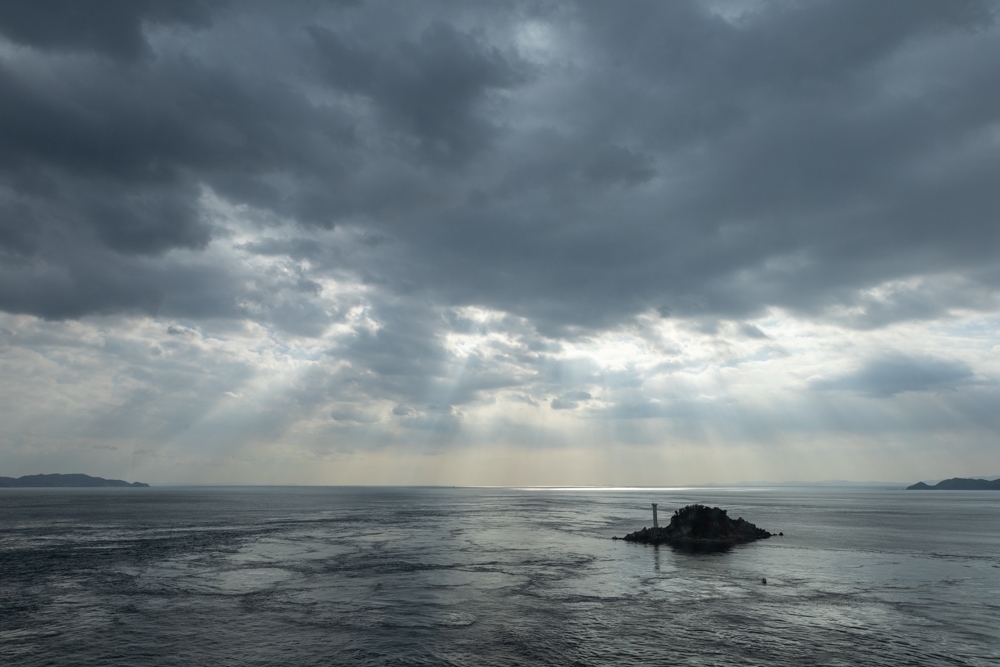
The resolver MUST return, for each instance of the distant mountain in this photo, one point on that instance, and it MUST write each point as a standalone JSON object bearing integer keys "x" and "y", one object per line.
{"x": 958, "y": 484}
{"x": 63, "y": 481}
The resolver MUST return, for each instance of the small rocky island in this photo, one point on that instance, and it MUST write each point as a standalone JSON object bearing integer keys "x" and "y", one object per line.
{"x": 57, "y": 481}
{"x": 701, "y": 528}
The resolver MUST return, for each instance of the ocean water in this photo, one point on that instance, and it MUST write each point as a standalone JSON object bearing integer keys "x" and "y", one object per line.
{"x": 428, "y": 576}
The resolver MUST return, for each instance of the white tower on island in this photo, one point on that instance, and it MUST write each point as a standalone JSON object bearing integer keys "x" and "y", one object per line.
{"x": 655, "y": 525}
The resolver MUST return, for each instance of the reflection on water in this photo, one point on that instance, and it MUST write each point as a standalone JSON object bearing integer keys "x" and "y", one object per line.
{"x": 492, "y": 577}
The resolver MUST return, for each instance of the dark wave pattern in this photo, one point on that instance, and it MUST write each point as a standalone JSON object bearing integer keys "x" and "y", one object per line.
{"x": 323, "y": 576}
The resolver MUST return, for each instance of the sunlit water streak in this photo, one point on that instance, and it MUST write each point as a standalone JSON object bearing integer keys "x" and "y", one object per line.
{"x": 384, "y": 576}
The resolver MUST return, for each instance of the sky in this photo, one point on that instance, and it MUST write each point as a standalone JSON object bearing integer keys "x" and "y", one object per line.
{"x": 504, "y": 243}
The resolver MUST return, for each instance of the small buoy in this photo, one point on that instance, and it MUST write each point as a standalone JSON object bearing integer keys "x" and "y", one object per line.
{"x": 763, "y": 580}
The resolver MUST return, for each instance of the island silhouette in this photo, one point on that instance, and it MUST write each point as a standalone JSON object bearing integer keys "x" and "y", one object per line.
{"x": 56, "y": 480}
{"x": 958, "y": 484}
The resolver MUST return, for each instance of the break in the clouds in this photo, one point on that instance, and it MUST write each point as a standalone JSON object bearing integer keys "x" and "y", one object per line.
{"x": 526, "y": 242}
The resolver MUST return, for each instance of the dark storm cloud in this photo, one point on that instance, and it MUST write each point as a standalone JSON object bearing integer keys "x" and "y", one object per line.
{"x": 617, "y": 159}
{"x": 896, "y": 374}
{"x": 100, "y": 162}
{"x": 109, "y": 27}
{"x": 430, "y": 87}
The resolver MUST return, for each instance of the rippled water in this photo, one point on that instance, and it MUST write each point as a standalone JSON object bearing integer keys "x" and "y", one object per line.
{"x": 303, "y": 576}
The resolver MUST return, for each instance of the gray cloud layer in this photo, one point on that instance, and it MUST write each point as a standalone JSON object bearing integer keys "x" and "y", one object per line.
{"x": 661, "y": 156}
{"x": 895, "y": 374}
{"x": 571, "y": 165}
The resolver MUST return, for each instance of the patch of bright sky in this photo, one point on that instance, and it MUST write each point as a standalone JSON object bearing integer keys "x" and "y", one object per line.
{"x": 538, "y": 42}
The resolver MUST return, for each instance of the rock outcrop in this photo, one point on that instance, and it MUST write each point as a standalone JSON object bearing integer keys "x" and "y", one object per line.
{"x": 700, "y": 527}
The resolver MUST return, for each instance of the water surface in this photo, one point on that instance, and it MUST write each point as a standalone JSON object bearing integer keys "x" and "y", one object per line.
{"x": 416, "y": 576}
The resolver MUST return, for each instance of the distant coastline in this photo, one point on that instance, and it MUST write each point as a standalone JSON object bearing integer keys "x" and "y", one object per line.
{"x": 56, "y": 480}
{"x": 958, "y": 484}
{"x": 827, "y": 483}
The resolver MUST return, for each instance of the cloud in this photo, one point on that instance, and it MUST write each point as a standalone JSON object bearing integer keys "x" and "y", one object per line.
{"x": 431, "y": 87}
{"x": 114, "y": 28}
{"x": 570, "y": 400}
{"x": 516, "y": 223}
{"x": 894, "y": 374}
{"x": 350, "y": 414}
{"x": 781, "y": 159}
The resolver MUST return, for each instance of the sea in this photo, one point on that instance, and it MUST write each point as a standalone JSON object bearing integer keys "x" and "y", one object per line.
{"x": 493, "y": 576}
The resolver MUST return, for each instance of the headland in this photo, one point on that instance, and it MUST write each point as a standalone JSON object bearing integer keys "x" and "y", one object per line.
{"x": 75, "y": 480}
{"x": 958, "y": 484}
